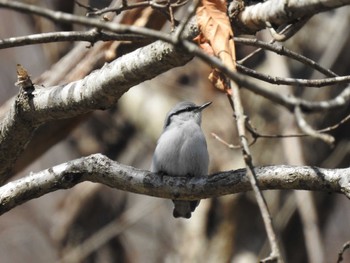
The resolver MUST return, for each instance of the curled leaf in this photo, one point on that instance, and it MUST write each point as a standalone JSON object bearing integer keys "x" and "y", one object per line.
{"x": 217, "y": 33}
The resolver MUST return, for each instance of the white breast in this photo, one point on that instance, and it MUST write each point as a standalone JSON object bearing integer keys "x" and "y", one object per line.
{"x": 181, "y": 151}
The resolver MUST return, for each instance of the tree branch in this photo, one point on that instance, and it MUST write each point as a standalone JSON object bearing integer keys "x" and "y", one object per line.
{"x": 252, "y": 19}
{"x": 102, "y": 88}
{"x": 66, "y": 18}
{"x": 278, "y": 12}
{"x": 94, "y": 35}
{"x": 293, "y": 81}
{"x": 91, "y": 36}
{"x": 290, "y": 102}
{"x": 307, "y": 129}
{"x": 100, "y": 169}
{"x": 123, "y": 29}
{"x": 275, "y": 254}
{"x": 282, "y": 50}
{"x": 99, "y": 90}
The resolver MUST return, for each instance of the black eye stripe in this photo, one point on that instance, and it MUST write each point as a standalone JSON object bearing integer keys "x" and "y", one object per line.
{"x": 190, "y": 108}
{"x": 183, "y": 110}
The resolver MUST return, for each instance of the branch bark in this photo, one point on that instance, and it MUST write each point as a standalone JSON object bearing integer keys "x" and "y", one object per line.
{"x": 277, "y": 12}
{"x": 252, "y": 19}
{"x": 91, "y": 36}
{"x": 99, "y": 90}
{"x": 100, "y": 169}
{"x": 289, "y": 102}
{"x": 275, "y": 254}
{"x": 66, "y": 18}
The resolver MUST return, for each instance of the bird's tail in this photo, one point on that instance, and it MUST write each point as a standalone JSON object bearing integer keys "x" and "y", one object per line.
{"x": 184, "y": 208}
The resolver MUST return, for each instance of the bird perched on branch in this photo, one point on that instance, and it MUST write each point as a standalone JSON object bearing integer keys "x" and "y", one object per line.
{"x": 182, "y": 149}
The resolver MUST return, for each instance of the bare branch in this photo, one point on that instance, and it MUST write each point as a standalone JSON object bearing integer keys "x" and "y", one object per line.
{"x": 335, "y": 126}
{"x": 251, "y": 173}
{"x": 156, "y": 4}
{"x": 307, "y": 129}
{"x": 288, "y": 31}
{"x": 99, "y": 169}
{"x": 253, "y": 18}
{"x": 94, "y": 35}
{"x": 293, "y": 81}
{"x": 229, "y": 145}
{"x": 256, "y": 135}
{"x": 181, "y": 27}
{"x": 61, "y": 17}
{"x": 290, "y": 102}
{"x": 99, "y": 90}
{"x": 87, "y": 7}
{"x": 91, "y": 36}
{"x": 281, "y": 50}
{"x": 342, "y": 251}
{"x": 123, "y": 7}
{"x": 117, "y": 28}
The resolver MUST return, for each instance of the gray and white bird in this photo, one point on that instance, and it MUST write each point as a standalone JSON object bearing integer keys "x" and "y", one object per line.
{"x": 182, "y": 149}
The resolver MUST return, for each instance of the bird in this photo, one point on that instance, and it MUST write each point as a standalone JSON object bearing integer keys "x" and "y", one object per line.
{"x": 181, "y": 150}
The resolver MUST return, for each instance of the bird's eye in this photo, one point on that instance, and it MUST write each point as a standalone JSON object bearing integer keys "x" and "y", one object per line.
{"x": 190, "y": 108}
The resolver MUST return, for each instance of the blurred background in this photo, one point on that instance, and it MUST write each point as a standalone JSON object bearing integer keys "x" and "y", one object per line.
{"x": 94, "y": 223}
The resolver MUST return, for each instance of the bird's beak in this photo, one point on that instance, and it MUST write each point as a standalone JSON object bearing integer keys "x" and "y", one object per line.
{"x": 202, "y": 107}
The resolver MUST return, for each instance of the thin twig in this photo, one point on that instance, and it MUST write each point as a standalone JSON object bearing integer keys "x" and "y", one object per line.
{"x": 118, "y": 28}
{"x": 91, "y": 36}
{"x": 61, "y": 17}
{"x": 267, "y": 219}
{"x": 256, "y": 135}
{"x": 306, "y": 128}
{"x": 231, "y": 146}
{"x": 282, "y": 50}
{"x": 289, "y": 102}
{"x": 166, "y": 3}
{"x": 288, "y": 31}
{"x": 128, "y": 6}
{"x": 123, "y": 7}
{"x": 87, "y": 7}
{"x": 190, "y": 12}
{"x": 341, "y": 252}
{"x": 293, "y": 81}
{"x": 335, "y": 126}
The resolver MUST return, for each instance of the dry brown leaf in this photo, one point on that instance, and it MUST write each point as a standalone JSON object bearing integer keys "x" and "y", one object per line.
{"x": 219, "y": 80}
{"x": 22, "y": 73}
{"x": 204, "y": 45}
{"x": 217, "y": 32}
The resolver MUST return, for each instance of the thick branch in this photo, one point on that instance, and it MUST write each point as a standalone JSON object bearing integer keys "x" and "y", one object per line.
{"x": 15, "y": 133}
{"x": 291, "y": 6}
{"x": 102, "y": 88}
{"x": 99, "y": 90}
{"x": 252, "y": 19}
{"x": 278, "y": 12}
{"x": 93, "y": 36}
{"x": 98, "y": 168}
